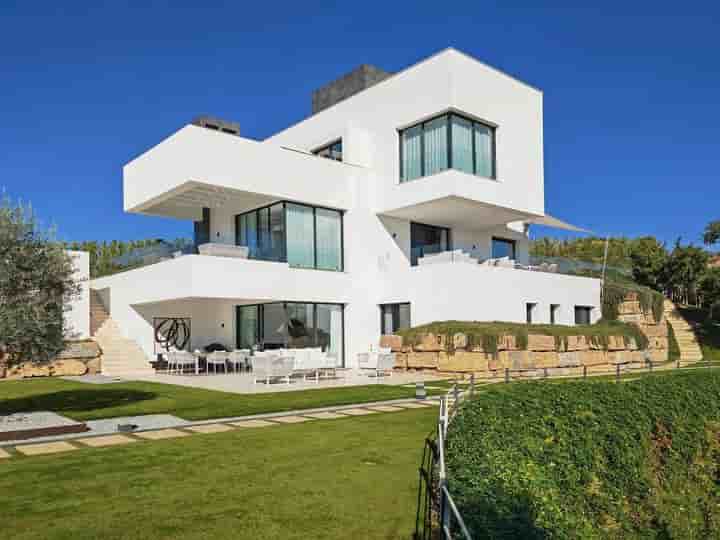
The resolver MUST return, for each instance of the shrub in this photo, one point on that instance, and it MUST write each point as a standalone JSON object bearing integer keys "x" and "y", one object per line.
{"x": 715, "y": 312}
{"x": 590, "y": 459}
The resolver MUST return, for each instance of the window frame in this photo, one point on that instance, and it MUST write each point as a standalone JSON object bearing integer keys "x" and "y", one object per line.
{"x": 284, "y": 204}
{"x": 448, "y": 122}
{"x": 395, "y": 314}
{"x": 260, "y": 333}
{"x": 589, "y": 310}
{"x": 317, "y": 151}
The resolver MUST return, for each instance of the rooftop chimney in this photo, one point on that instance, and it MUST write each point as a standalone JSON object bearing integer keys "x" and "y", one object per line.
{"x": 360, "y": 78}
{"x": 210, "y": 122}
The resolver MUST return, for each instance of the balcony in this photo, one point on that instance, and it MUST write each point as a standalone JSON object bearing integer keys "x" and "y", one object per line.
{"x": 197, "y": 167}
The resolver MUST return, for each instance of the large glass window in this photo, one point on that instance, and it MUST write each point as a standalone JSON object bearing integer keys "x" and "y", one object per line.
{"x": 426, "y": 240}
{"x": 328, "y": 226}
{"x": 300, "y": 236}
{"x": 292, "y": 325}
{"x": 303, "y": 236}
{"x": 502, "y": 247}
{"x": 394, "y": 317}
{"x": 450, "y": 141}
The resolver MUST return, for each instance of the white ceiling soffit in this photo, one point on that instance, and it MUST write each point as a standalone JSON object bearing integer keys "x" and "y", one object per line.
{"x": 549, "y": 221}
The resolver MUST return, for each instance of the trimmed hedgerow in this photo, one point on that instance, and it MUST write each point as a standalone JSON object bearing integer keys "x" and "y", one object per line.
{"x": 639, "y": 459}
{"x": 615, "y": 293}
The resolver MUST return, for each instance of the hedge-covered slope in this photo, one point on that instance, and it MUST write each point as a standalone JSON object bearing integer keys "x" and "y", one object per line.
{"x": 591, "y": 459}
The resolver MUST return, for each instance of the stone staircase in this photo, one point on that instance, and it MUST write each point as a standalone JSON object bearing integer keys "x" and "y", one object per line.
{"x": 684, "y": 335}
{"x": 98, "y": 313}
{"x": 120, "y": 356}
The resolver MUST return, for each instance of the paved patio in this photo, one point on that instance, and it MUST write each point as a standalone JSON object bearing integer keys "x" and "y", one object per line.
{"x": 242, "y": 383}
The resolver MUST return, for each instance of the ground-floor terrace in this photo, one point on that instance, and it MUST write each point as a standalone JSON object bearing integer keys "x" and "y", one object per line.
{"x": 196, "y": 302}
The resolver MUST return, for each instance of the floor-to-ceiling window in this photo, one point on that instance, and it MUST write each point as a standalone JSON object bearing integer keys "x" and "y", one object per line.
{"x": 301, "y": 235}
{"x": 292, "y": 325}
{"x": 502, "y": 247}
{"x": 426, "y": 240}
{"x": 448, "y": 141}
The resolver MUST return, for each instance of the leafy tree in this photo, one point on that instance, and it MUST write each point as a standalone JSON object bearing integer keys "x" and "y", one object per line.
{"x": 36, "y": 284}
{"x": 685, "y": 267}
{"x": 712, "y": 233}
{"x": 710, "y": 286}
{"x": 649, "y": 258}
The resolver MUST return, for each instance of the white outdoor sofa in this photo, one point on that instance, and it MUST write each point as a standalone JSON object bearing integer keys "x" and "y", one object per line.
{"x": 379, "y": 361}
{"x": 223, "y": 250}
{"x": 306, "y": 362}
{"x": 267, "y": 366}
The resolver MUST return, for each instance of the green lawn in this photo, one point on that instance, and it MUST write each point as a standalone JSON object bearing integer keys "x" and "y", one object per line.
{"x": 349, "y": 478}
{"x": 89, "y": 402}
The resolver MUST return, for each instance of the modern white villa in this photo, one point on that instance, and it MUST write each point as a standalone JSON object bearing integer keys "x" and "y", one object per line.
{"x": 405, "y": 198}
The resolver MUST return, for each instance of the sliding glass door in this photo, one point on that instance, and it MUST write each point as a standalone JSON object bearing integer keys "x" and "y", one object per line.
{"x": 427, "y": 239}
{"x": 292, "y": 325}
{"x": 301, "y": 235}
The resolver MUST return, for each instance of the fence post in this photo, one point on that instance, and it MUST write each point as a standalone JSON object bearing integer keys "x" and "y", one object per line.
{"x": 456, "y": 395}
{"x": 507, "y": 375}
{"x": 472, "y": 384}
{"x": 545, "y": 373}
{"x": 617, "y": 372}
{"x": 584, "y": 372}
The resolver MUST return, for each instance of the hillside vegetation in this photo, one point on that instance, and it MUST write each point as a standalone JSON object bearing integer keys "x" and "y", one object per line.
{"x": 639, "y": 459}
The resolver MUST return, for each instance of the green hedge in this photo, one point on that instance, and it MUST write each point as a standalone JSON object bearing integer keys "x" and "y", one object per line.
{"x": 614, "y": 294}
{"x": 590, "y": 459}
{"x": 487, "y": 334}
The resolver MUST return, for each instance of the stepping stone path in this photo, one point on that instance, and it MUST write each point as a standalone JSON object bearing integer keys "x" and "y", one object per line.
{"x": 107, "y": 440}
{"x": 162, "y": 434}
{"x": 210, "y": 428}
{"x": 385, "y": 408}
{"x": 291, "y": 419}
{"x": 357, "y": 412}
{"x": 326, "y": 415}
{"x": 44, "y": 448}
{"x": 253, "y": 423}
{"x": 182, "y": 430}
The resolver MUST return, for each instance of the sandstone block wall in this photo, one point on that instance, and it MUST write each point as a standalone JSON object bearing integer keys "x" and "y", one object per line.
{"x": 544, "y": 354}
{"x": 78, "y": 358}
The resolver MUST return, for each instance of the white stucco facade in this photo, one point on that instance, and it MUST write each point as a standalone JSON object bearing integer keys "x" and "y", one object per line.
{"x": 199, "y": 168}
{"x": 77, "y": 313}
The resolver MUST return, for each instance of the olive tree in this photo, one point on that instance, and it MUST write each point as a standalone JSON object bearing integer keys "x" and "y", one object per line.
{"x": 36, "y": 285}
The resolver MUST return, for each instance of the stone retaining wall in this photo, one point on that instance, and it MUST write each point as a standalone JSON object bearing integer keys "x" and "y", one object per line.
{"x": 543, "y": 354}
{"x": 78, "y": 358}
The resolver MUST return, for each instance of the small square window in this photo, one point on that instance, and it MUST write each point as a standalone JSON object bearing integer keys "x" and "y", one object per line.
{"x": 554, "y": 310}
{"x": 583, "y": 314}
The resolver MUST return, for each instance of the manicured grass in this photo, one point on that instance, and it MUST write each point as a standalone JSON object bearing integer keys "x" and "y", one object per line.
{"x": 89, "y": 402}
{"x": 349, "y": 478}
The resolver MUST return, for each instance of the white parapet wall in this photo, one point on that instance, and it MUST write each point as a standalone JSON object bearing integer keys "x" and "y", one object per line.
{"x": 77, "y": 314}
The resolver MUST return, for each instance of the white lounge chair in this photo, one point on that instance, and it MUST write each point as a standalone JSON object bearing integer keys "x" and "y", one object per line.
{"x": 215, "y": 359}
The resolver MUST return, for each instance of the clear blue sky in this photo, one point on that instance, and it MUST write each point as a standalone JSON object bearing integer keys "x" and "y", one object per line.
{"x": 632, "y": 93}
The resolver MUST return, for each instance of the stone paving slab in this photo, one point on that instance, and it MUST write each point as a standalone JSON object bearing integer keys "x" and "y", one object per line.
{"x": 385, "y": 408}
{"x": 162, "y": 434}
{"x": 357, "y": 412}
{"x": 291, "y": 419}
{"x": 107, "y": 440}
{"x": 253, "y": 423}
{"x": 412, "y": 405}
{"x": 430, "y": 402}
{"x": 44, "y": 448}
{"x": 326, "y": 415}
{"x": 210, "y": 428}
{"x": 3, "y": 454}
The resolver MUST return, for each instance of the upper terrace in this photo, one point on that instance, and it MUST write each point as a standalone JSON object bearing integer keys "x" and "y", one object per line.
{"x": 197, "y": 167}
